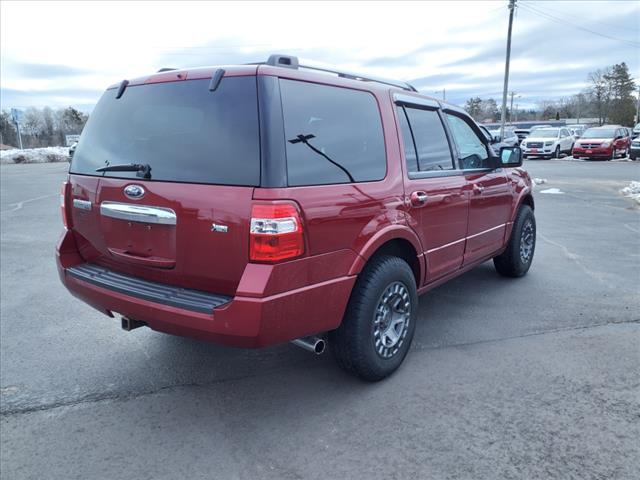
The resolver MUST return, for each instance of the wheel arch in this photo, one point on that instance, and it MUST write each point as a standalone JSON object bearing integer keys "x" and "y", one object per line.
{"x": 526, "y": 199}
{"x": 399, "y": 241}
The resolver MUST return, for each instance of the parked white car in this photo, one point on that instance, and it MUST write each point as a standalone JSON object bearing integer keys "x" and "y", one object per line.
{"x": 548, "y": 143}
{"x": 577, "y": 129}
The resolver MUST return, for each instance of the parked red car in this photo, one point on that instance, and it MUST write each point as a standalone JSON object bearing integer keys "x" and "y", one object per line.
{"x": 606, "y": 143}
{"x": 259, "y": 204}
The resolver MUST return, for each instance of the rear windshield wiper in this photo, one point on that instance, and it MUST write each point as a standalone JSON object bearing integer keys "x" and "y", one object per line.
{"x": 143, "y": 169}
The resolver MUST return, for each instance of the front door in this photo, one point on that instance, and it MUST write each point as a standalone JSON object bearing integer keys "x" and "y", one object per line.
{"x": 438, "y": 202}
{"x": 490, "y": 197}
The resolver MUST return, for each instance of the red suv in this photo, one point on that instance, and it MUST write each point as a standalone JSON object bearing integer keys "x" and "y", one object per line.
{"x": 258, "y": 204}
{"x": 606, "y": 143}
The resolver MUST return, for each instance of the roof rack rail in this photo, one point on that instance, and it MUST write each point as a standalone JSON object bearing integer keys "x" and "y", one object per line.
{"x": 290, "y": 61}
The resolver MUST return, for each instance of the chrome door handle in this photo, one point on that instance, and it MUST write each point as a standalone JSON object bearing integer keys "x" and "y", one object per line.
{"x": 477, "y": 188}
{"x": 138, "y": 213}
{"x": 418, "y": 199}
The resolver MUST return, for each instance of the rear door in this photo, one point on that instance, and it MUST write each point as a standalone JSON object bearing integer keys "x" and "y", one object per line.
{"x": 436, "y": 189}
{"x": 490, "y": 195}
{"x": 188, "y": 223}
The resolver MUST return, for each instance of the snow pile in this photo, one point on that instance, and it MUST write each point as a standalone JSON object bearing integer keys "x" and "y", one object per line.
{"x": 539, "y": 181}
{"x": 554, "y": 191}
{"x": 632, "y": 191}
{"x": 35, "y": 155}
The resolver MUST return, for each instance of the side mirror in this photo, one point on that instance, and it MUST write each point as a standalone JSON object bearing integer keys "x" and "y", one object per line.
{"x": 510, "y": 156}
{"x": 496, "y": 138}
{"x": 619, "y": 137}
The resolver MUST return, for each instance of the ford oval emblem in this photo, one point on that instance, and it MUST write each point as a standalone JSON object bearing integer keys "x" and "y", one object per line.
{"x": 134, "y": 191}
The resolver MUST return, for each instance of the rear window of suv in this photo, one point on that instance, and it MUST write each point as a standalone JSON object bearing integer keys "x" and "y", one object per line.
{"x": 182, "y": 130}
{"x": 333, "y": 135}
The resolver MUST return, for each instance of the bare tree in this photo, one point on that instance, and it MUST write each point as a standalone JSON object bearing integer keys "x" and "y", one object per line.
{"x": 600, "y": 92}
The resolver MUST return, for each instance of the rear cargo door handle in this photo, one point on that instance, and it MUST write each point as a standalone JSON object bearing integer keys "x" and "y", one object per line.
{"x": 157, "y": 262}
{"x": 138, "y": 213}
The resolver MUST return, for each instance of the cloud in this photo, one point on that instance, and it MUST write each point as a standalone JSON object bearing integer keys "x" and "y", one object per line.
{"x": 44, "y": 71}
{"x": 83, "y": 98}
{"x": 456, "y": 45}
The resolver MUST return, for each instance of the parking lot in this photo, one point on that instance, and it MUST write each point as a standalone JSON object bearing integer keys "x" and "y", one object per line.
{"x": 531, "y": 378}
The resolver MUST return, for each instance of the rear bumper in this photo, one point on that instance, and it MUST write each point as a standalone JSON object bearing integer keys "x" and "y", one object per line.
{"x": 245, "y": 321}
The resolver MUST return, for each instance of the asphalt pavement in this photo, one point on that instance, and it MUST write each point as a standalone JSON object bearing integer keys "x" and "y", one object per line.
{"x": 537, "y": 377}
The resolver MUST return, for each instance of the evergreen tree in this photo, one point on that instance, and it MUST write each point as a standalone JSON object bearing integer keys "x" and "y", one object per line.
{"x": 621, "y": 88}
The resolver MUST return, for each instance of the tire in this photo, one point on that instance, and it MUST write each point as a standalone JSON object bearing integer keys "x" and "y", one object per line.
{"x": 516, "y": 260}
{"x": 556, "y": 153}
{"x": 359, "y": 345}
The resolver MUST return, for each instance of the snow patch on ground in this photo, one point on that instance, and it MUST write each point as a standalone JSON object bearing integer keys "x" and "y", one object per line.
{"x": 35, "y": 155}
{"x": 632, "y": 191}
{"x": 537, "y": 181}
{"x": 554, "y": 191}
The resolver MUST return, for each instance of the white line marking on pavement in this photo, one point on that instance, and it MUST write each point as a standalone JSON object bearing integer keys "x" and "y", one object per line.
{"x": 19, "y": 205}
{"x": 576, "y": 258}
{"x": 629, "y": 227}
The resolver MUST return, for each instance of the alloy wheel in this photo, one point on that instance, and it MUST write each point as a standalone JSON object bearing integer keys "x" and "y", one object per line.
{"x": 391, "y": 320}
{"x": 526, "y": 242}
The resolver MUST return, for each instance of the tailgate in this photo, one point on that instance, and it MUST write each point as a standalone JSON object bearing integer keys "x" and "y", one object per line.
{"x": 187, "y": 222}
{"x": 194, "y": 236}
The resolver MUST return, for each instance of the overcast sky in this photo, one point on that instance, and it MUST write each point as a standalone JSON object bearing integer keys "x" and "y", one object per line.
{"x": 59, "y": 54}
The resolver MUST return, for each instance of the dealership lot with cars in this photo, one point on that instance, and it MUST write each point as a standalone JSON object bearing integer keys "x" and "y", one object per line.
{"x": 506, "y": 378}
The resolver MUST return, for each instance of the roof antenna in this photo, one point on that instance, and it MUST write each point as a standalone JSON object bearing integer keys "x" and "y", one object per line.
{"x": 215, "y": 79}
{"x": 122, "y": 88}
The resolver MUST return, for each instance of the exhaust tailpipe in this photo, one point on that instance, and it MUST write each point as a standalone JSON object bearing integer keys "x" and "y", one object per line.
{"x": 129, "y": 324}
{"x": 312, "y": 344}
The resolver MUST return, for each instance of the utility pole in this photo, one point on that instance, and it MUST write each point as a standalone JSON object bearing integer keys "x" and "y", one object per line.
{"x": 444, "y": 93}
{"x": 511, "y": 107}
{"x": 15, "y": 116}
{"x": 503, "y": 116}
{"x": 19, "y": 134}
{"x": 638, "y": 106}
{"x": 516, "y": 113}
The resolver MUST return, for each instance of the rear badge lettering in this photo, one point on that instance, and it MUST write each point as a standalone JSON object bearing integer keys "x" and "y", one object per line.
{"x": 219, "y": 228}
{"x": 82, "y": 204}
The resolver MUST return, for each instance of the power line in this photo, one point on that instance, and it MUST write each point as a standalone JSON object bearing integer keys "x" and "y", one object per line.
{"x": 558, "y": 12}
{"x": 548, "y": 16}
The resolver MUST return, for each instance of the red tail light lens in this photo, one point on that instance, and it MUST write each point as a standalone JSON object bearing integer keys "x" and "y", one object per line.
{"x": 63, "y": 204}
{"x": 276, "y": 233}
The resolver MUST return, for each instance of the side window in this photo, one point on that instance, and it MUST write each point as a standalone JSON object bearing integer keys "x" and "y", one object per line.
{"x": 333, "y": 135}
{"x": 472, "y": 153}
{"x": 410, "y": 155}
{"x": 428, "y": 141}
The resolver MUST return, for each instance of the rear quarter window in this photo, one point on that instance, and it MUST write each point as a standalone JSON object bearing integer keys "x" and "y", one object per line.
{"x": 332, "y": 134}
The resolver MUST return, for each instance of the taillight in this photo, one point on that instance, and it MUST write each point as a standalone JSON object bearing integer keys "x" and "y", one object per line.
{"x": 63, "y": 204}
{"x": 276, "y": 233}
